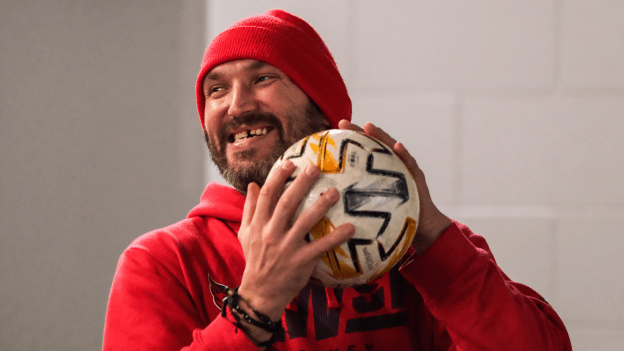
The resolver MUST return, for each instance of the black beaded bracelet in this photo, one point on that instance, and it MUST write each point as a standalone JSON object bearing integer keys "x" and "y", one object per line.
{"x": 232, "y": 301}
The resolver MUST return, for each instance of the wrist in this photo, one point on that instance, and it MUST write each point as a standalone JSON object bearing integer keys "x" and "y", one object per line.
{"x": 429, "y": 231}
{"x": 256, "y": 303}
{"x": 434, "y": 228}
{"x": 256, "y": 335}
{"x": 258, "y": 328}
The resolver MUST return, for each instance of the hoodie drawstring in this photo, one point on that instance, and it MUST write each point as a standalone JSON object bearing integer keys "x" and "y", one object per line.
{"x": 332, "y": 301}
{"x": 292, "y": 306}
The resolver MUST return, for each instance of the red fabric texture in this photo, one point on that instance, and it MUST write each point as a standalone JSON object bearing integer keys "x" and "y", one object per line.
{"x": 165, "y": 296}
{"x": 290, "y": 44}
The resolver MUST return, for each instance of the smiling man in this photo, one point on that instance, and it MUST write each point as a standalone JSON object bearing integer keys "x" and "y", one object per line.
{"x": 234, "y": 275}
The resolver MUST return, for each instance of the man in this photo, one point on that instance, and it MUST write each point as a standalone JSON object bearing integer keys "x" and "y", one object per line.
{"x": 266, "y": 82}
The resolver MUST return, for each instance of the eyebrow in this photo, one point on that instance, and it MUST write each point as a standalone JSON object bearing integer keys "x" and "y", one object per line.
{"x": 254, "y": 66}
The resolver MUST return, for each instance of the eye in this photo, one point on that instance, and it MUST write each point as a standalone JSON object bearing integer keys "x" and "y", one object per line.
{"x": 264, "y": 78}
{"x": 215, "y": 91}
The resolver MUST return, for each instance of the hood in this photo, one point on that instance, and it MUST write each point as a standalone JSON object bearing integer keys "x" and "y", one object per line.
{"x": 220, "y": 201}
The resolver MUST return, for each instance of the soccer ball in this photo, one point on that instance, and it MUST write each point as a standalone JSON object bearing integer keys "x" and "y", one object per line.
{"x": 377, "y": 195}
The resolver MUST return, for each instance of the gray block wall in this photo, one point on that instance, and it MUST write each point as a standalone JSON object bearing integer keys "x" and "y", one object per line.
{"x": 99, "y": 143}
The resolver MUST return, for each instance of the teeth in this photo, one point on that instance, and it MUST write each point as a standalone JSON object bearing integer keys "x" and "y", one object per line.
{"x": 246, "y": 134}
{"x": 240, "y": 136}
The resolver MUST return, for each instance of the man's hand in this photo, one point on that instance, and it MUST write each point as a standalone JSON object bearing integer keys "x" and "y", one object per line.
{"x": 279, "y": 260}
{"x": 432, "y": 222}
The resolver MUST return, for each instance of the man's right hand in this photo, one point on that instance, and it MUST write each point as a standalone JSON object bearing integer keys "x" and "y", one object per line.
{"x": 279, "y": 260}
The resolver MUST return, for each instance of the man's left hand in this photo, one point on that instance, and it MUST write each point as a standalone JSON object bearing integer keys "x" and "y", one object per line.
{"x": 432, "y": 222}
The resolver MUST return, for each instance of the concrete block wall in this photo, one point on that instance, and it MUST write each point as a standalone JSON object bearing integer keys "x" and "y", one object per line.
{"x": 514, "y": 110}
{"x": 99, "y": 143}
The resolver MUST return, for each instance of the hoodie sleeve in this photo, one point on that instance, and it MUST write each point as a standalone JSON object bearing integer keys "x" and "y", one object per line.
{"x": 150, "y": 309}
{"x": 476, "y": 304}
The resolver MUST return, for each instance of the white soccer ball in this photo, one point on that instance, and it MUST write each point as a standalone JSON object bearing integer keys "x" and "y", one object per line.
{"x": 377, "y": 195}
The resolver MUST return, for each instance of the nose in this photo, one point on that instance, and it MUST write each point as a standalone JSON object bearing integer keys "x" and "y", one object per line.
{"x": 242, "y": 100}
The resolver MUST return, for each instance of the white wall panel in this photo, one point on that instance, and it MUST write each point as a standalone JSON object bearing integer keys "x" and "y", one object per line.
{"x": 486, "y": 44}
{"x": 595, "y": 338}
{"x": 545, "y": 151}
{"x": 590, "y": 284}
{"x": 593, "y": 44}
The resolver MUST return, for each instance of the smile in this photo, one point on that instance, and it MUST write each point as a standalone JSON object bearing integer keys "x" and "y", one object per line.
{"x": 246, "y": 134}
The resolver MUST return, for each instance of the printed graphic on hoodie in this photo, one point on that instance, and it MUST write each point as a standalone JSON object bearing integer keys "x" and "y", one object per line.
{"x": 374, "y": 306}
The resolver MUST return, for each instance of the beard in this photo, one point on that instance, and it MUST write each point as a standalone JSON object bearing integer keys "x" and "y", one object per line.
{"x": 299, "y": 124}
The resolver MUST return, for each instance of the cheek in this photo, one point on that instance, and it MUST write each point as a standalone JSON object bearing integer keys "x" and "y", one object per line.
{"x": 211, "y": 132}
{"x": 211, "y": 121}
{"x": 208, "y": 117}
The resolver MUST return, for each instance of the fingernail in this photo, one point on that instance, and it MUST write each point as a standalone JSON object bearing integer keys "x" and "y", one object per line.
{"x": 288, "y": 165}
{"x": 312, "y": 170}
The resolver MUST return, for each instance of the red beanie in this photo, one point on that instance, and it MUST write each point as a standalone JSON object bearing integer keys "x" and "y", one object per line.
{"x": 290, "y": 44}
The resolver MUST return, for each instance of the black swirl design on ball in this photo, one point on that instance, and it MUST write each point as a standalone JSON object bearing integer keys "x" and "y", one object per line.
{"x": 355, "y": 198}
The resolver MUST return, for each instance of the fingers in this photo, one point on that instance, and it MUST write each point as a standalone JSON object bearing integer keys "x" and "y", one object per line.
{"x": 277, "y": 206}
{"x": 250, "y": 203}
{"x": 312, "y": 215}
{"x": 407, "y": 158}
{"x": 272, "y": 189}
{"x": 379, "y": 133}
{"x": 337, "y": 237}
{"x": 384, "y": 137}
{"x": 344, "y": 124}
{"x": 290, "y": 199}
{"x": 369, "y": 129}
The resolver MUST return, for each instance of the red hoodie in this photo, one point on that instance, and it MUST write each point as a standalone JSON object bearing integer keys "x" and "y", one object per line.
{"x": 169, "y": 283}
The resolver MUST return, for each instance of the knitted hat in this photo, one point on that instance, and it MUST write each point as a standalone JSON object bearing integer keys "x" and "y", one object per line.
{"x": 290, "y": 44}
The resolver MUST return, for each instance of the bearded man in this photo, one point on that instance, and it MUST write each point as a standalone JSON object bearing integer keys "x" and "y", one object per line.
{"x": 235, "y": 274}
